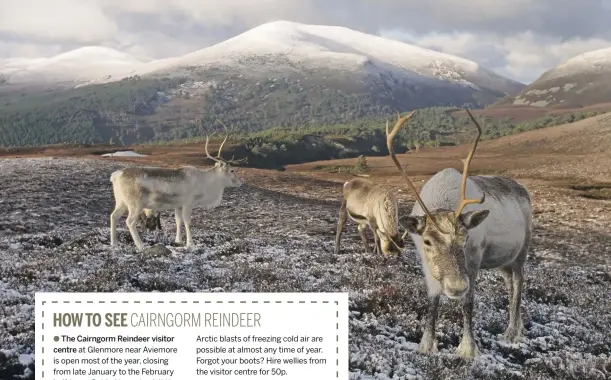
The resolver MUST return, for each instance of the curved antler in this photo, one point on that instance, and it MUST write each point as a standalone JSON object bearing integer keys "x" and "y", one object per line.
{"x": 467, "y": 162}
{"x": 389, "y": 141}
{"x": 232, "y": 161}
{"x": 206, "y": 149}
{"x": 226, "y": 137}
{"x": 207, "y": 141}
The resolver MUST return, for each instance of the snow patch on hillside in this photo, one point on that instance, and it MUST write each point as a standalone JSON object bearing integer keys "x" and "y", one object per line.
{"x": 124, "y": 153}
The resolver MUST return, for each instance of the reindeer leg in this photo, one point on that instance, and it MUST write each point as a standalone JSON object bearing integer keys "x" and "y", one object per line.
{"x": 428, "y": 343}
{"x": 341, "y": 222}
{"x": 132, "y": 220}
{"x": 178, "y": 217}
{"x": 119, "y": 210}
{"x": 514, "y": 278}
{"x": 362, "y": 227}
{"x": 158, "y": 221}
{"x": 376, "y": 239}
{"x": 186, "y": 218}
{"x": 467, "y": 347}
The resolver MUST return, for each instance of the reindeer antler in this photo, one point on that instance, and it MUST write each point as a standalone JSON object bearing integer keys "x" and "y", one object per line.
{"x": 467, "y": 162}
{"x": 206, "y": 150}
{"x": 241, "y": 160}
{"x": 218, "y": 157}
{"x": 207, "y": 140}
{"x": 232, "y": 161}
{"x": 389, "y": 142}
{"x": 226, "y": 137}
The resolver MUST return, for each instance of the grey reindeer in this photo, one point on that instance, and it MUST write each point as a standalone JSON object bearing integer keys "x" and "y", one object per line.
{"x": 373, "y": 206}
{"x": 493, "y": 232}
{"x": 150, "y": 189}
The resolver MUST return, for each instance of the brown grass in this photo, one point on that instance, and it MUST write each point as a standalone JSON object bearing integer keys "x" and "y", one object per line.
{"x": 524, "y": 113}
{"x": 558, "y": 157}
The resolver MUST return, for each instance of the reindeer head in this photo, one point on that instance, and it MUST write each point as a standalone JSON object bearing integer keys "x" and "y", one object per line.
{"x": 150, "y": 222}
{"x": 391, "y": 245}
{"x": 444, "y": 232}
{"x": 223, "y": 167}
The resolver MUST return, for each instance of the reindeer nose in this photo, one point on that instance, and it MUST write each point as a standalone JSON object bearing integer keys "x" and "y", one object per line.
{"x": 456, "y": 288}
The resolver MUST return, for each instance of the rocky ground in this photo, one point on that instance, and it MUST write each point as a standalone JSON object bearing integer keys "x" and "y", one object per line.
{"x": 54, "y": 236}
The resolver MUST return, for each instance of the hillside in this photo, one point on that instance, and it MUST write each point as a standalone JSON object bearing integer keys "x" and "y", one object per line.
{"x": 577, "y": 152}
{"x": 278, "y": 147}
{"x": 581, "y": 81}
{"x": 276, "y": 234}
{"x": 277, "y": 74}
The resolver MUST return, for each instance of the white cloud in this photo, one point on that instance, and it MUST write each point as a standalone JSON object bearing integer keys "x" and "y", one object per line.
{"x": 506, "y": 36}
{"x": 56, "y": 20}
{"x": 523, "y": 56}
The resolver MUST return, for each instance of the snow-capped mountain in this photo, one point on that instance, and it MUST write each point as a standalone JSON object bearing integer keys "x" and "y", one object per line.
{"x": 340, "y": 48}
{"x": 275, "y": 46}
{"x": 85, "y": 64}
{"x": 579, "y": 81}
{"x": 277, "y": 74}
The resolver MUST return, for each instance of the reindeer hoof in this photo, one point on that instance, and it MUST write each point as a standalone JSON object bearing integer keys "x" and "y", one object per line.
{"x": 513, "y": 335}
{"x": 427, "y": 345}
{"x": 467, "y": 349}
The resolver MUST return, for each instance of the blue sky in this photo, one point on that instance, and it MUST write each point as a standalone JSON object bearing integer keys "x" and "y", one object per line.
{"x": 516, "y": 38}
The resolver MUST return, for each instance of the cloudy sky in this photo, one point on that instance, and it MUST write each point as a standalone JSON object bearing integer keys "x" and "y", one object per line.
{"x": 516, "y": 38}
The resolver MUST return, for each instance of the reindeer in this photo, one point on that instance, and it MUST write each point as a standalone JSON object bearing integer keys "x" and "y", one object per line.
{"x": 154, "y": 189}
{"x": 493, "y": 232}
{"x": 373, "y": 206}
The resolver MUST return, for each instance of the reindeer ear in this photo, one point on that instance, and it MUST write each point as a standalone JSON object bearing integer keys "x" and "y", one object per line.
{"x": 472, "y": 219}
{"x": 413, "y": 224}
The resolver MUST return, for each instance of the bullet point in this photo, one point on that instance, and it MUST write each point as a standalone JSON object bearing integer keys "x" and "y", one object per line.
{"x": 56, "y": 338}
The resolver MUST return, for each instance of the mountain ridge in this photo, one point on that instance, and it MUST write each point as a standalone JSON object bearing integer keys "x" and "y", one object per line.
{"x": 580, "y": 81}
{"x": 333, "y": 45}
{"x": 278, "y": 74}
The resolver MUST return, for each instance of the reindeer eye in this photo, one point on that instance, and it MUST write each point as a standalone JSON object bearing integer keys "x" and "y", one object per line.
{"x": 427, "y": 242}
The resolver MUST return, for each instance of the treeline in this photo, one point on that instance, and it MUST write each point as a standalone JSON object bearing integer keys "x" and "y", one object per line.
{"x": 138, "y": 110}
{"x": 429, "y": 127}
{"x": 105, "y": 113}
{"x": 279, "y": 121}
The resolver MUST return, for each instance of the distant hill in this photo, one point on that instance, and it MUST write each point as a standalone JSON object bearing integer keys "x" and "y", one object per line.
{"x": 577, "y": 152}
{"x": 581, "y": 81}
{"x": 277, "y": 74}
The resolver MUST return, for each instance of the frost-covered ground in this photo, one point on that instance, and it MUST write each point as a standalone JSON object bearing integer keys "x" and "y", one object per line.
{"x": 54, "y": 237}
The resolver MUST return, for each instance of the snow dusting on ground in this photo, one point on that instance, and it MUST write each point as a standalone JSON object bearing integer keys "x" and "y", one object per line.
{"x": 124, "y": 153}
{"x": 54, "y": 236}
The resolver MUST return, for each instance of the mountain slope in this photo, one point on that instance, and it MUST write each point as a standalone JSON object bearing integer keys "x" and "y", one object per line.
{"x": 309, "y": 46}
{"x": 278, "y": 74}
{"x": 340, "y": 48}
{"x": 581, "y": 81}
{"x": 85, "y": 64}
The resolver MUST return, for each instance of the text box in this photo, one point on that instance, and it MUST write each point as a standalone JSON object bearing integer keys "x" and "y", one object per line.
{"x": 106, "y": 336}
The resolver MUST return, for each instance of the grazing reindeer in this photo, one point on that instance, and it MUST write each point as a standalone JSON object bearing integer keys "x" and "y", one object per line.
{"x": 139, "y": 188}
{"x": 372, "y": 206}
{"x": 454, "y": 245}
